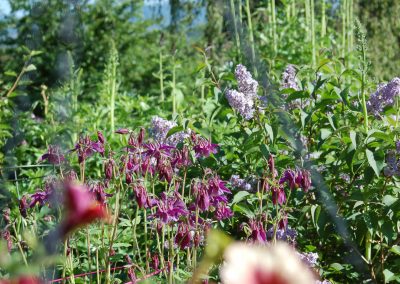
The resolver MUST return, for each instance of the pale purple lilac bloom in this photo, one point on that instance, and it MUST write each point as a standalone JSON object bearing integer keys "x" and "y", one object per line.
{"x": 289, "y": 78}
{"x": 310, "y": 258}
{"x": 384, "y": 96}
{"x": 240, "y": 183}
{"x": 160, "y": 128}
{"x": 243, "y": 100}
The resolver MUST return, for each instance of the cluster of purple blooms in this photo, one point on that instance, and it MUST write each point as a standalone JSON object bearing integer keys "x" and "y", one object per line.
{"x": 392, "y": 167}
{"x": 289, "y": 78}
{"x": 299, "y": 178}
{"x": 383, "y": 97}
{"x": 240, "y": 183}
{"x": 243, "y": 99}
{"x": 310, "y": 258}
{"x": 160, "y": 128}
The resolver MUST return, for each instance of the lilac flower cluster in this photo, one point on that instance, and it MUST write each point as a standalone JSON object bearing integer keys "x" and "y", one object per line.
{"x": 239, "y": 183}
{"x": 289, "y": 78}
{"x": 287, "y": 234}
{"x": 309, "y": 258}
{"x": 160, "y": 128}
{"x": 392, "y": 167}
{"x": 243, "y": 100}
{"x": 384, "y": 96}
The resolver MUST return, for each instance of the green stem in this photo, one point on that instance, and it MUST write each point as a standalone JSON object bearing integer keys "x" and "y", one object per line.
{"x": 251, "y": 37}
{"x": 161, "y": 77}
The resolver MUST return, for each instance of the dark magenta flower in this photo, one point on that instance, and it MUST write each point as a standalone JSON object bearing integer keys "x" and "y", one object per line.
{"x": 23, "y": 206}
{"x": 53, "y": 156}
{"x": 183, "y": 237}
{"x": 98, "y": 190}
{"x": 109, "y": 169}
{"x": 181, "y": 158}
{"x": 100, "y": 137}
{"x": 122, "y": 131}
{"x": 223, "y": 212}
{"x": 258, "y": 233}
{"x": 289, "y": 176}
{"x": 142, "y": 197}
{"x": 85, "y": 148}
{"x": 278, "y": 196}
{"x": 204, "y": 147}
{"x": 5, "y": 234}
{"x": 157, "y": 150}
{"x": 170, "y": 208}
{"x": 216, "y": 186}
{"x": 165, "y": 170}
{"x": 202, "y": 198}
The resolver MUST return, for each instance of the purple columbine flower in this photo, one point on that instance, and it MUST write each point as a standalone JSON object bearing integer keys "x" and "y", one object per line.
{"x": 203, "y": 147}
{"x": 384, "y": 96}
{"x": 85, "y": 148}
{"x": 289, "y": 176}
{"x": 157, "y": 150}
{"x": 223, "y": 212}
{"x": 165, "y": 170}
{"x": 184, "y": 236}
{"x": 122, "y": 131}
{"x": 98, "y": 190}
{"x": 278, "y": 196}
{"x": 142, "y": 198}
{"x": 53, "y": 155}
{"x": 23, "y": 206}
{"x": 181, "y": 158}
{"x": 170, "y": 208}
{"x": 202, "y": 198}
{"x": 257, "y": 231}
{"x": 295, "y": 179}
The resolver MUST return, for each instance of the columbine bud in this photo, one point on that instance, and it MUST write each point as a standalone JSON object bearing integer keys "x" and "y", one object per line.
{"x": 141, "y": 136}
{"x": 100, "y": 136}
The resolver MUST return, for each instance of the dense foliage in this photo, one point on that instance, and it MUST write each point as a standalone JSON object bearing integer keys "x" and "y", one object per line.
{"x": 134, "y": 148}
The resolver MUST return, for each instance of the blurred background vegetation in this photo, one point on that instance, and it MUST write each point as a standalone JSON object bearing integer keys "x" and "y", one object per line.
{"x": 64, "y": 51}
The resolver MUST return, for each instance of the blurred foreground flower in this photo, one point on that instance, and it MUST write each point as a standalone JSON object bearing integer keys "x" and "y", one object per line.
{"x": 275, "y": 264}
{"x": 82, "y": 208}
{"x": 22, "y": 280}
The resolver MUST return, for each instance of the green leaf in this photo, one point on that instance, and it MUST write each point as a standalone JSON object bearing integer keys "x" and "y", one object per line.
{"x": 337, "y": 266}
{"x": 30, "y": 67}
{"x": 325, "y": 133}
{"x": 395, "y": 249}
{"x": 297, "y": 95}
{"x": 371, "y": 161}
{"x": 269, "y": 131}
{"x": 174, "y": 130}
{"x": 353, "y": 138}
{"x": 388, "y": 200}
{"x": 239, "y": 196}
{"x": 389, "y": 275}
